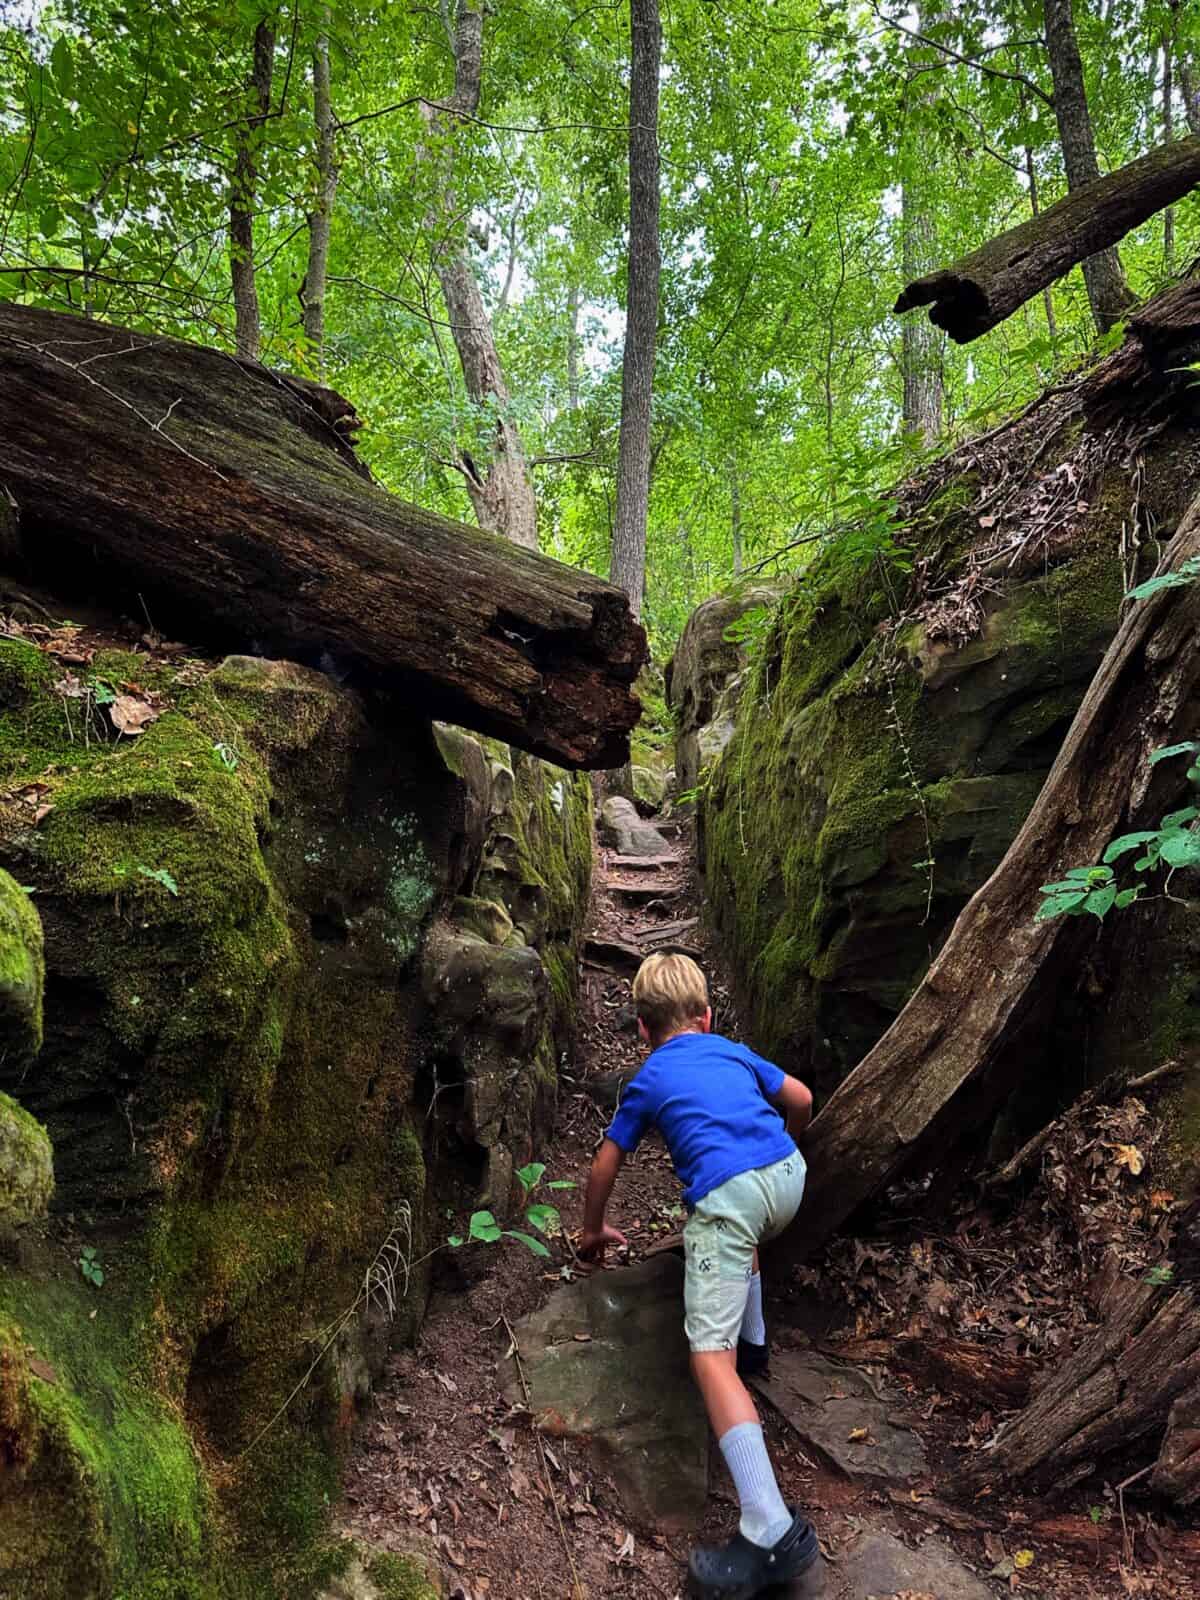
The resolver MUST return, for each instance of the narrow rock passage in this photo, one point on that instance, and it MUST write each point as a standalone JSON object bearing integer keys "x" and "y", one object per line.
{"x": 605, "y": 1496}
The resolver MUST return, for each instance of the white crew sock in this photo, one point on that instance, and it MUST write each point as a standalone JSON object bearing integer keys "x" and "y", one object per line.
{"x": 754, "y": 1329}
{"x": 765, "y": 1518}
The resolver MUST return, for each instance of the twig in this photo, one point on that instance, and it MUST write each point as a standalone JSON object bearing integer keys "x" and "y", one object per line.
{"x": 578, "y": 1591}
{"x": 1126, "y": 1538}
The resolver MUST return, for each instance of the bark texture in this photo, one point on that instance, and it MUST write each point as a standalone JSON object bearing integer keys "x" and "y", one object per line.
{"x": 1118, "y": 1387}
{"x": 231, "y": 500}
{"x": 921, "y": 343}
{"x": 321, "y": 220}
{"x": 641, "y": 307}
{"x": 985, "y": 287}
{"x": 931, "y": 1072}
{"x": 501, "y": 490}
{"x": 243, "y": 198}
{"x": 1108, "y": 293}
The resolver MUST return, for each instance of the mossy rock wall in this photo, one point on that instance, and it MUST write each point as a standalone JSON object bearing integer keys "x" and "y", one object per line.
{"x": 235, "y": 1077}
{"x": 877, "y": 776}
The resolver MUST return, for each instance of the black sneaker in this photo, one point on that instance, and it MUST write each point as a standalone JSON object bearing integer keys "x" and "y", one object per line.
{"x": 739, "y": 1570}
{"x": 753, "y": 1360}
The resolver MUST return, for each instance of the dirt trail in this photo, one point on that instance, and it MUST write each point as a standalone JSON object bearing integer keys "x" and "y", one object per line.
{"x": 443, "y": 1461}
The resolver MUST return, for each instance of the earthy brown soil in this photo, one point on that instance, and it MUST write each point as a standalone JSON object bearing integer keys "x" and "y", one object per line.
{"x": 444, "y": 1461}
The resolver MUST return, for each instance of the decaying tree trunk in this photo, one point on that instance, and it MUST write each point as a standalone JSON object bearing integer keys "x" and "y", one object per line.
{"x": 1177, "y": 1470}
{"x": 1116, "y": 1388}
{"x": 983, "y": 288}
{"x": 501, "y": 491}
{"x": 229, "y": 501}
{"x": 929, "y": 1073}
{"x": 243, "y": 199}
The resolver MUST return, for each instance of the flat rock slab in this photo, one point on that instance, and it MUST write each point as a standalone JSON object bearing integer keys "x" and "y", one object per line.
{"x": 836, "y": 1412}
{"x": 605, "y": 1360}
{"x": 876, "y": 1566}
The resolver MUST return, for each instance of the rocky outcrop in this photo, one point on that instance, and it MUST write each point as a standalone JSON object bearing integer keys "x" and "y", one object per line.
{"x": 705, "y": 676}
{"x": 889, "y": 741}
{"x": 238, "y": 1074}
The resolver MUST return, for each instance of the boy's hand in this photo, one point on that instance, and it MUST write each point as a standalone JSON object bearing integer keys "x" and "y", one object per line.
{"x": 594, "y": 1241}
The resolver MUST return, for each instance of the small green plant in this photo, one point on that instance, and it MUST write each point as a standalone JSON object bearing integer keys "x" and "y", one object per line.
{"x": 158, "y": 875}
{"x": 1189, "y": 572}
{"x": 89, "y": 1266}
{"x": 484, "y": 1229}
{"x": 103, "y": 692}
{"x": 1160, "y": 1275}
{"x": 1097, "y": 1514}
{"x": 226, "y": 756}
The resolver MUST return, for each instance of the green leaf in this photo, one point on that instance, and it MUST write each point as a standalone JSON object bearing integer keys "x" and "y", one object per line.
{"x": 536, "y": 1245}
{"x": 563, "y": 1183}
{"x": 544, "y": 1218}
{"x": 62, "y": 65}
{"x": 1127, "y": 842}
{"x": 531, "y": 1175}
{"x": 1169, "y": 750}
{"x": 161, "y": 875}
{"x": 1181, "y": 850}
{"x": 97, "y": 1277}
{"x": 1059, "y": 905}
{"x": 455, "y": 1240}
{"x": 1180, "y": 819}
{"x": 484, "y": 1227}
{"x": 1100, "y": 901}
{"x": 1127, "y": 897}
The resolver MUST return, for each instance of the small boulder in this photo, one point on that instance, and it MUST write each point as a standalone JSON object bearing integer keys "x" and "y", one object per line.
{"x": 26, "y": 1165}
{"x": 21, "y": 972}
{"x": 606, "y": 1360}
{"x": 627, "y": 832}
{"x": 877, "y": 1564}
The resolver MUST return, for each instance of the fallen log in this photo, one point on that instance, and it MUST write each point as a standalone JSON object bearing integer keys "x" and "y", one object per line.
{"x": 928, "y": 1077}
{"x": 983, "y": 288}
{"x": 227, "y": 500}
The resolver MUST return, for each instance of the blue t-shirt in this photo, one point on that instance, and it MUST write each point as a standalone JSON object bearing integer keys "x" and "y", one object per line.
{"x": 707, "y": 1097}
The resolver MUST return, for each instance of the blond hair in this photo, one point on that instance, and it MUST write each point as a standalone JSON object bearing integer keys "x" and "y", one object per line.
{"x": 669, "y": 992}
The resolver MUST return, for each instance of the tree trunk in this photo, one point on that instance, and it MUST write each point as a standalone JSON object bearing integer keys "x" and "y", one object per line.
{"x": 932, "y": 1071}
{"x": 1035, "y": 209}
{"x": 573, "y": 347}
{"x": 501, "y": 491}
{"x": 230, "y": 498}
{"x": 321, "y": 220}
{"x": 921, "y": 343}
{"x": 1189, "y": 87}
{"x": 1108, "y": 293}
{"x": 243, "y": 198}
{"x": 980, "y": 290}
{"x": 641, "y": 312}
{"x": 1168, "y": 123}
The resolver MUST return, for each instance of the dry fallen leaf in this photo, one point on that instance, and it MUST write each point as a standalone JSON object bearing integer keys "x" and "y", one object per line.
{"x": 1023, "y": 1559}
{"x": 1128, "y": 1155}
{"x": 130, "y": 715}
{"x": 42, "y": 1369}
{"x": 856, "y": 1434}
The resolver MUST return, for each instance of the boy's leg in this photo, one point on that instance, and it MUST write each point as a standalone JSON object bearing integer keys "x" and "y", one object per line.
{"x": 735, "y": 1421}
{"x": 753, "y": 1331}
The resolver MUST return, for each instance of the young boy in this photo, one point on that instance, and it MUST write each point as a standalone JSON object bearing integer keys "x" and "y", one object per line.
{"x": 729, "y": 1119}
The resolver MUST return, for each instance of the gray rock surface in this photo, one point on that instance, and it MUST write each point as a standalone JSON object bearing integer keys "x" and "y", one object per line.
{"x": 606, "y": 1361}
{"x": 876, "y": 1566}
{"x": 628, "y": 833}
{"x": 836, "y": 1413}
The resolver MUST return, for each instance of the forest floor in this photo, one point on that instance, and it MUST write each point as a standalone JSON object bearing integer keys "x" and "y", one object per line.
{"x": 445, "y": 1462}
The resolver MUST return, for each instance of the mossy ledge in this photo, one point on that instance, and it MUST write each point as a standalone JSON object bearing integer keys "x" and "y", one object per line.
{"x": 234, "y": 906}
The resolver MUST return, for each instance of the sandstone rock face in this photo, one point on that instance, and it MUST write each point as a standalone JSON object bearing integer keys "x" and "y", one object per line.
{"x": 705, "y": 677}
{"x": 881, "y": 768}
{"x": 838, "y": 1415}
{"x": 237, "y": 1072}
{"x": 606, "y": 1360}
{"x": 878, "y": 1564}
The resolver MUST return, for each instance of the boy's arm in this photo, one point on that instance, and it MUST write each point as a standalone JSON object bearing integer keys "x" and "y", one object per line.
{"x": 795, "y": 1101}
{"x": 596, "y": 1235}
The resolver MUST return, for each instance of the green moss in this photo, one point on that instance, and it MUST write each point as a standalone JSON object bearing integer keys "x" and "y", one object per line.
{"x": 402, "y": 1578}
{"x": 108, "y": 1497}
{"x": 26, "y": 1164}
{"x": 22, "y": 971}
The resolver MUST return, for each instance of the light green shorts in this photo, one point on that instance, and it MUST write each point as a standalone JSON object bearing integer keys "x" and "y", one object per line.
{"x": 720, "y": 1238}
